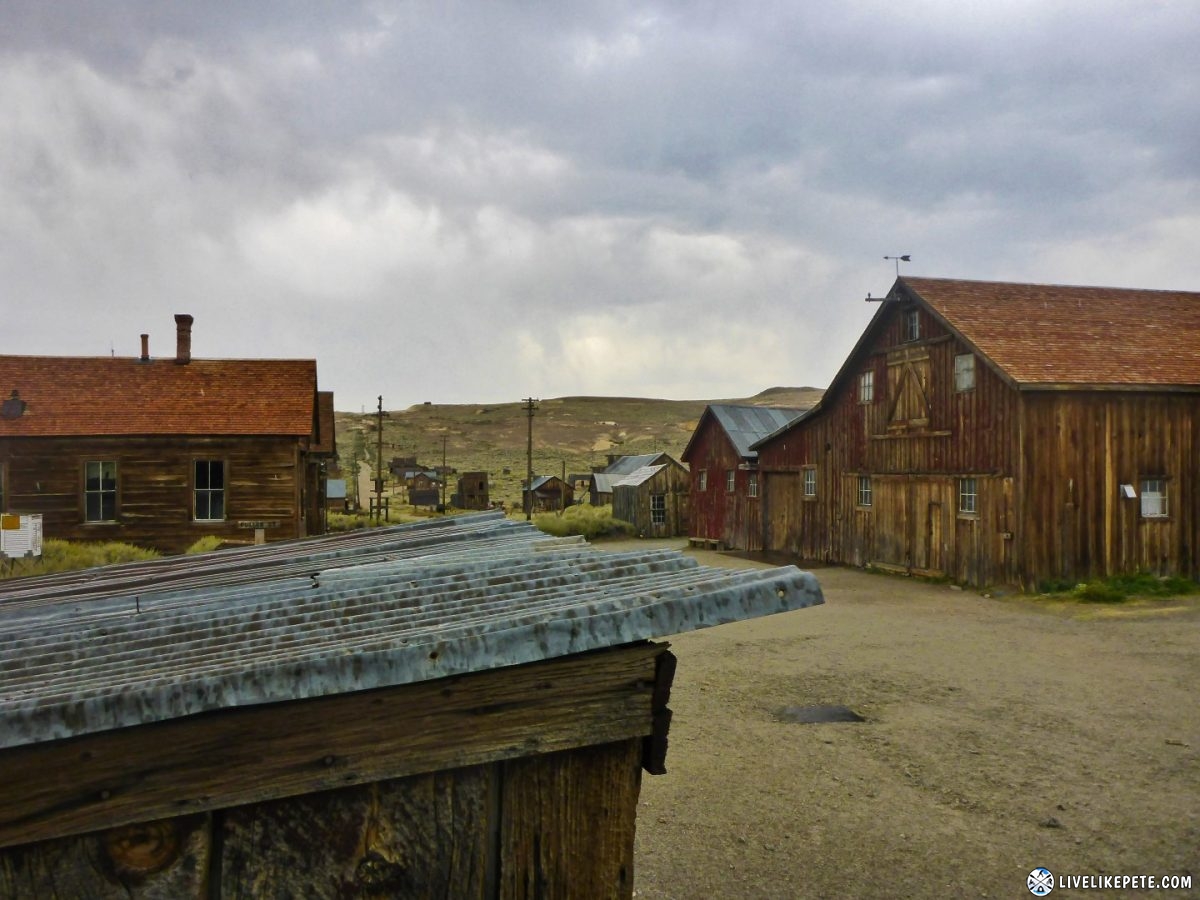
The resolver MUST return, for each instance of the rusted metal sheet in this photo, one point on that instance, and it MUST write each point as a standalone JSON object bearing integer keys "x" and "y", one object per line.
{"x": 402, "y": 605}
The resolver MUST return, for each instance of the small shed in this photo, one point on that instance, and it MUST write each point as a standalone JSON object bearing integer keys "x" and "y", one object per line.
{"x": 600, "y": 489}
{"x": 550, "y": 494}
{"x": 654, "y": 499}
{"x": 472, "y": 491}
{"x": 458, "y": 707}
{"x": 335, "y": 495}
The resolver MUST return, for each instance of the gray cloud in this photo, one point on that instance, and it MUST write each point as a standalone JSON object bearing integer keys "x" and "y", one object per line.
{"x": 482, "y": 201}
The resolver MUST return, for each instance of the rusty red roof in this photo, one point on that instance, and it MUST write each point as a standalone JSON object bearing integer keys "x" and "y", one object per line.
{"x": 1042, "y": 334}
{"x": 72, "y": 396}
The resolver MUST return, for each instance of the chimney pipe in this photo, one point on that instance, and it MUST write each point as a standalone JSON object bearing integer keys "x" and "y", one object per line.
{"x": 183, "y": 339}
{"x": 145, "y": 348}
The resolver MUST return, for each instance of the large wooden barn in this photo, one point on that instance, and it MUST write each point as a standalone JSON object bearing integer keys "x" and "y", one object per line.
{"x": 160, "y": 452}
{"x": 725, "y": 487}
{"x": 1001, "y": 434}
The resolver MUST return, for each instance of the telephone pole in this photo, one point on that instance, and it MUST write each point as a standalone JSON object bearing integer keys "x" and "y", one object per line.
{"x": 530, "y": 406}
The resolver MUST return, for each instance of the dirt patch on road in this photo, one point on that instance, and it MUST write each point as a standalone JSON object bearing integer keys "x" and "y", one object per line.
{"x": 1000, "y": 734}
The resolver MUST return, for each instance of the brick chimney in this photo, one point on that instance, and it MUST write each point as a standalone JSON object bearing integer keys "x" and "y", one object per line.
{"x": 145, "y": 348}
{"x": 183, "y": 339}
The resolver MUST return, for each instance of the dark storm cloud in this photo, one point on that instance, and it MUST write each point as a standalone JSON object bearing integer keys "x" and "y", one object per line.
{"x": 611, "y": 187}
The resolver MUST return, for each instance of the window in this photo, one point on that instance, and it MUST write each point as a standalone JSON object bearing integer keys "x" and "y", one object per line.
{"x": 968, "y": 496}
{"x": 866, "y": 387}
{"x": 752, "y": 485}
{"x": 658, "y": 509}
{"x": 730, "y": 480}
{"x": 864, "y": 490}
{"x": 810, "y": 482}
{"x": 912, "y": 325}
{"x": 703, "y": 480}
{"x": 1154, "y": 498}
{"x": 964, "y": 372}
{"x": 209, "y": 486}
{"x": 99, "y": 492}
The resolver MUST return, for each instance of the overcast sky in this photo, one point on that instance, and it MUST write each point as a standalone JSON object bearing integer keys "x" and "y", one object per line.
{"x": 479, "y": 202}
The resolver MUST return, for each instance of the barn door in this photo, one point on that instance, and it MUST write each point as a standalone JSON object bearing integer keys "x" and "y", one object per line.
{"x": 930, "y": 555}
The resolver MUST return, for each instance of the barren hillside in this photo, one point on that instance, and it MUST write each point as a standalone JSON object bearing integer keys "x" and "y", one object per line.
{"x": 569, "y": 433}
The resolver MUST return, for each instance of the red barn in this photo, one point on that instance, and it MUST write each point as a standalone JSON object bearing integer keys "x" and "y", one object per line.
{"x": 724, "y": 473}
{"x": 1001, "y": 433}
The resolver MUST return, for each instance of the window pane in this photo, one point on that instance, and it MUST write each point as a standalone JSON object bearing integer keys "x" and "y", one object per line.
{"x": 217, "y": 507}
{"x": 201, "y": 474}
{"x": 216, "y": 474}
{"x": 108, "y": 506}
{"x": 91, "y": 507}
{"x": 108, "y": 476}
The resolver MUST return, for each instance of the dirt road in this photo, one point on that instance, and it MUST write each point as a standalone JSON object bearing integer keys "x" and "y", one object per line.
{"x": 1001, "y": 734}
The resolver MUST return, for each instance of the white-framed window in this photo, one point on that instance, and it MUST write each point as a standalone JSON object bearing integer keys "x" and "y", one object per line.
{"x": 208, "y": 486}
{"x": 752, "y": 485}
{"x": 866, "y": 387}
{"x": 100, "y": 491}
{"x": 1154, "y": 498}
{"x": 864, "y": 490}
{"x": 964, "y": 372}
{"x": 730, "y": 480}
{"x": 810, "y": 481}
{"x": 658, "y": 509}
{"x": 912, "y": 325}
{"x": 968, "y": 496}
{"x": 703, "y": 485}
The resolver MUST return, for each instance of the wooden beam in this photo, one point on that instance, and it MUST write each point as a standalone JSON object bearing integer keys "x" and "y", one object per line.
{"x": 250, "y": 754}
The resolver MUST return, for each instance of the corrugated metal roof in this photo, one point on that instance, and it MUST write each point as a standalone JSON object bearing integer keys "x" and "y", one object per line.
{"x": 746, "y": 425}
{"x": 627, "y": 464}
{"x": 115, "y": 647}
{"x": 642, "y": 475}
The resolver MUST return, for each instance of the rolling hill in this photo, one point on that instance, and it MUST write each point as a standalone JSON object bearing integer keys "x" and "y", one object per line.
{"x": 570, "y": 434}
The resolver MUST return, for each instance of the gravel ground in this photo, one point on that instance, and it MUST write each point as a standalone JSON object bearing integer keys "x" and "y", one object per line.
{"x": 1001, "y": 734}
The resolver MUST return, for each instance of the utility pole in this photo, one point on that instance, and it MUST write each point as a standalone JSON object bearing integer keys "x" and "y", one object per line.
{"x": 529, "y": 408}
{"x": 445, "y": 474}
{"x": 379, "y": 459}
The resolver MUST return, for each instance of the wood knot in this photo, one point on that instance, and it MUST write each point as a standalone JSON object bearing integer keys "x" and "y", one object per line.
{"x": 136, "y": 851}
{"x": 377, "y": 873}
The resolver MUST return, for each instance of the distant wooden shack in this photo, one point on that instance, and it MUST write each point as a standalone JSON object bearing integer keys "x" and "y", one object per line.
{"x": 549, "y": 493}
{"x": 600, "y": 488}
{"x": 424, "y": 489}
{"x": 457, "y": 731}
{"x": 654, "y": 499}
{"x": 472, "y": 491}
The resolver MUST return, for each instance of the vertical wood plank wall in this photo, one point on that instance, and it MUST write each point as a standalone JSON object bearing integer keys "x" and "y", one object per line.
{"x": 1048, "y": 466}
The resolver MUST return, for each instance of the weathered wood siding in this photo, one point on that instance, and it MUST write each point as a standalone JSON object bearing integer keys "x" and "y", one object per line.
{"x": 914, "y": 439}
{"x": 512, "y": 783}
{"x": 632, "y": 503}
{"x": 1079, "y": 448}
{"x": 728, "y": 518}
{"x": 266, "y": 480}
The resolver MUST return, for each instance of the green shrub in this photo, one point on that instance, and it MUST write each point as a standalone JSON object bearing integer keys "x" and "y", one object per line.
{"x": 589, "y": 521}
{"x": 346, "y": 522}
{"x": 67, "y": 556}
{"x": 1099, "y": 592}
{"x": 206, "y": 544}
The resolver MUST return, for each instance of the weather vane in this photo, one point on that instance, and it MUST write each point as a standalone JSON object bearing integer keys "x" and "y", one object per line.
{"x": 905, "y": 258}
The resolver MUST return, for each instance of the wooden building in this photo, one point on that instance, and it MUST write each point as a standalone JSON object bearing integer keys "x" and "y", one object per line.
{"x": 160, "y": 452}
{"x": 600, "y": 486}
{"x": 549, "y": 493}
{"x": 654, "y": 499}
{"x": 472, "y": 491}
{"x": 724, "y": 473}
{"x": 478, "y": 727}
{"x": 1001, "y": 433}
